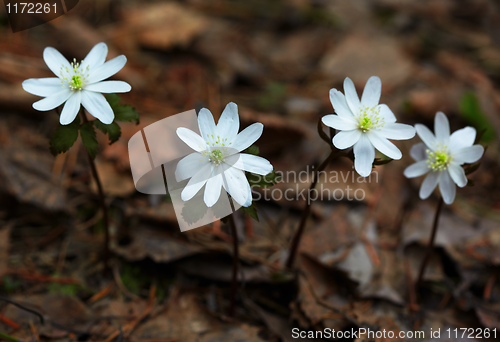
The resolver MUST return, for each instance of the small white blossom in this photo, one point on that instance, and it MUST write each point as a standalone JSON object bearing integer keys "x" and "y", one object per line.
{"x": 78, "y": 84}
{"x": 217, "y": 161}
{"x": 365, "y": 124}
{"x": 441, "y": 156}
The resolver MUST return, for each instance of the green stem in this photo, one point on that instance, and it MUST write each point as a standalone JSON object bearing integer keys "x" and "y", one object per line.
{"x": 102, "y": 202}
{"x": 430, "y": 247}
{"x": 305, "y": 214}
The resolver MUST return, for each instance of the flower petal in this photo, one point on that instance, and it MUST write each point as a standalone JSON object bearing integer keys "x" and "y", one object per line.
{"x": 42, "y": 86}
{"x": 417, "y": 152}
{"x": 107, "y": 69}
{"x": 97, "y": 106}
{"x": 229, "y": 122}
{"x": 213, "y": 190}
{"x": 429, "y": 184}
{"x": 371, "y": 93}
{"x": 340, "y": 105}
{"x": 96, "y": 56}
{"x": 447, "y": 188}
{"x": 53, "y": 101}
{"x": 196, "y": 182}
{"x": 109, "y": 87}
{"x": 251, "y": 163}
{"x": 386, "y": 113}
{"x": 236, "y": 184}
{"x": 462, "y": 138}
{"x": 345, "y": 139}
{"x": 71, "y": 108}
{"x": 397, "y": 131}
{"x": 206, "y": 124}
{"x": 442, "y": 128}
{"x": 426, "y": 135}
{"x": 364, "y": 154}
{"x": 457, "y": 173}
{"x": 188, "y": 166}
{"x": 247, "y": 137}
{"x": 55, "y": 61}
{"x": 351, "y": 96}
{"x": 469, "y": 154}
{"x": 191, "y": 139}
{"x": 338, "y": 122}
{"x": 417, "y": 169}
{"x": 384, "y": 146}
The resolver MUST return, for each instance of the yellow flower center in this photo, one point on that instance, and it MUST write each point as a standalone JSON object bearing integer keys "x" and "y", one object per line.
{"x": 76, "y": 77}
{"x": 369, "y": 118}
{"x": 439, "y": 160}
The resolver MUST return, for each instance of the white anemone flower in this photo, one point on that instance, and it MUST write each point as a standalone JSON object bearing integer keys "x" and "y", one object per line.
{"x": 78, "y": 84}
{"x": 217, "y": 161}
{"x": 441, "y": 157}
{"x": 366, "y": 124}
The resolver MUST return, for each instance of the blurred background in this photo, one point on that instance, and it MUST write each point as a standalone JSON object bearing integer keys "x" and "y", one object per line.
{"x": 277, "y": 60}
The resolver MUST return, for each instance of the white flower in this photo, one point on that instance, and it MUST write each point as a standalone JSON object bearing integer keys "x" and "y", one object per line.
{"x": 217, "y": 161}
{"x": 365, "y": 124}
{"x": 78, "y": 83}
{"x": 441, "y": 156}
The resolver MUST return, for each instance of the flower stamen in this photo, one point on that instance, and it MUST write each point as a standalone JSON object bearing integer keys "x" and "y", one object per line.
{"x": 439, "y": 160}
{"x": 369, "y": 118}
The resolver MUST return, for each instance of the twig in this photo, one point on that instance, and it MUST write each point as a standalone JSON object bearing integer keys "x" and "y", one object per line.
{"x": 489, "y": 286}
{"x": 22, "y": 307}
{"x": 34, "y": 332}
{"x": 430, "y": 247}
{"x": 9, "y": 322}
{"x": 8, "y": 337}
{"x": 411, "y": 287}
{"x": 305, "y": 214}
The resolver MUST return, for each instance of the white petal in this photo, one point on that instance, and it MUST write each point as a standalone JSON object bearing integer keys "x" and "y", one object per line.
{"x": 71, "y": 108}
{"x": 212, "y": 190}
{"x": 196, "y": 182}
{"x": 340, "y": 105}
{"x": 251, "y": 163}
{"x": 442, "y": 128}
{"x": 364, "y": 154}
{"x": 469, "y": 154}
{"x": 97, "y": 106}
{"x": 429, "y": 184}
{"x": 338, "y": 122}
{"x": 109, "y": 87}
{"x": 96, "y": 56}
{"x": 371, "y": 93}
{"x": 417, "y": 152}
{"x": 55, "y": 61}
{"x": 426, "y": 135}
{"x": 386, "y": 113}
{"x": 206, "y": 124}
{"x": 247, "y": 137}
{"x": 462, "y": 138}
{"x": 447, "y": 188}
{"x": 42, "y": 86}
{"x": 107, "y": 69}
{"x": 229, "y": 122}
{"x": 351, "y": 96}
{"x": 384, "y": 146}
{"x": 53, "y": 101}
{"x": 237, "y": 186}
{"x": 417, "y": 169}
{"x": 398, "y": 131}
{"x": 457, "y": 173}
{"x": 188, "y": 166}
{"x": 345, "y": 139}
{"x": 191, "y": 139}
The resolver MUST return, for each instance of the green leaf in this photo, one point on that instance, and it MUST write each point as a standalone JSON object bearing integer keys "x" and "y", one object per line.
{"x": 125, "y": 113}
{"x": 471, "y": 111}
{"x": 382, "y": 161}
{"x": 64, "y": 137}
{"x": 254, "y": 150}
{"x": 472, "y": 168}
{"x": 251, "y": 211}
{"x": 89, "y": 140}
{"x": 113, "y": 130}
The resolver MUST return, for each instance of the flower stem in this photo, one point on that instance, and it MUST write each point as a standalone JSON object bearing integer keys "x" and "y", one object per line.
{"x": 102, "y": 201}
{"x": 234, "y": 280}
{"x": 298, "y": 234}
{"x": 430, "y": 247}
